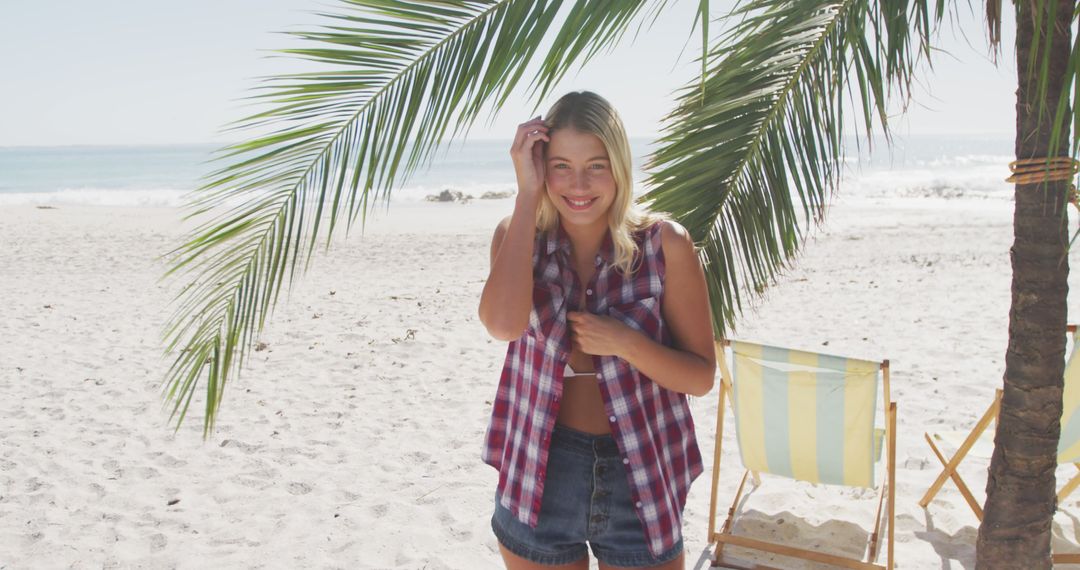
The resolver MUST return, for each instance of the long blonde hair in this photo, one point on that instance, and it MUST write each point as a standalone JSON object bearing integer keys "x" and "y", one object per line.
{"x": 587, "y": 112}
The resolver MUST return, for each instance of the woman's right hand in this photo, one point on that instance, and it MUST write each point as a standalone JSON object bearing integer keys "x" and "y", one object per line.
{"x": 528, "y": 155}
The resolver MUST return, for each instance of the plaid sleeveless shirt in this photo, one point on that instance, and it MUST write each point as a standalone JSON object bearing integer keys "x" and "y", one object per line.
{"x": 651, "y": 424}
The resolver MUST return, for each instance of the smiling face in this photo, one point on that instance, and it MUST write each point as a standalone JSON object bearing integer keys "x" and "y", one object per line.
{"x": 579, "y": 179}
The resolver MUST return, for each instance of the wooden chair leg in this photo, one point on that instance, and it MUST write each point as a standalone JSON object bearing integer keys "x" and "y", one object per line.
{"x": 892, "y": 485}
{"x": 1066, "y": 558}
{"x": 1070, "y": 486}
{"x": 872, "y": 554}
{"x": 958, "y": 480}
{"x": 718, "y": 447}
{"x": 729, "y": 522}
{"x": 951, "y": 465}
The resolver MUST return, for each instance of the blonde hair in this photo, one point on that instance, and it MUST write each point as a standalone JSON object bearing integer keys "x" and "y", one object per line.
{"x": 587, "y": 112}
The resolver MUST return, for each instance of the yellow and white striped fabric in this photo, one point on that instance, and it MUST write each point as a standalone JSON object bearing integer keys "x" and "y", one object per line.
{"x": 1069, "y": 443}
{"x": 806, "y": 415}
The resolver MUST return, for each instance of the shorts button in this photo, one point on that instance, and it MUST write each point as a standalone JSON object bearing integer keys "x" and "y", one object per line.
{"x": 638, "y": 504}
{"x": 598, "y": 376}
{"x": 625, "y": 460}
{"x": 588, "y": 291}
{"x": 612, "y": 418}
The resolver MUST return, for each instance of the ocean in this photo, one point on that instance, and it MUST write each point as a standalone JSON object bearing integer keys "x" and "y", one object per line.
{"x": 949, "y": 166}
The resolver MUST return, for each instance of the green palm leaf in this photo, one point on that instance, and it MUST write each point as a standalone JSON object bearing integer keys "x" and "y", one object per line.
{"x": 399, "y": 73}
{"x": 740, "y": 163}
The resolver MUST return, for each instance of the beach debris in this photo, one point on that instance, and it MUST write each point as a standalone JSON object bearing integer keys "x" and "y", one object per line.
{"x": 261, "y": 346}
{"x": 316, "y": 315}
{"x": 492, "y": 195}
{"x": 332, "y": 292}
{"x": 173, "y": 501}
{"x": 450, "y": 196}
{"x": 429, "y": 492}
{"x": 47, "y": 208}
{"x": 48, "y": 306}
{"x": 410, "y": 334}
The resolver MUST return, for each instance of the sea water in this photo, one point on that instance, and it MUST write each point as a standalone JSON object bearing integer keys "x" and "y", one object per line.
{"x": 169, "y": 175}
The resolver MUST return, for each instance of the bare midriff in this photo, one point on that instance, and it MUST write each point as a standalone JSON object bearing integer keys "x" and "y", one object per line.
{"x": 581, "y": 406}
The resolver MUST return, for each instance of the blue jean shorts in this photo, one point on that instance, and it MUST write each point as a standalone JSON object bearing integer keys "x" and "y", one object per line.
{"x": 586, "y": 499}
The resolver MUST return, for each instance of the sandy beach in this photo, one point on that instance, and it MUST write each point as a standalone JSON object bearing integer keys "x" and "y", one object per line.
{"x": 353, "y": 439}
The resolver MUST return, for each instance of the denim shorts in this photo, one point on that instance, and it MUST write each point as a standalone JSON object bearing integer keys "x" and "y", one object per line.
{"x": 586, "y": 499}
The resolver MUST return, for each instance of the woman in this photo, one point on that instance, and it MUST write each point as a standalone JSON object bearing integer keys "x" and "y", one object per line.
{"x": 607, "y": 314}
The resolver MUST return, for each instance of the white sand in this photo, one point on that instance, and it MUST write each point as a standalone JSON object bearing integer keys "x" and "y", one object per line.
{"x": 353, "y": 440}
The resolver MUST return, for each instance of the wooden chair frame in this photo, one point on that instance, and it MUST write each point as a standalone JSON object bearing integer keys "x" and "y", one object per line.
{"x": 949, "y": 466}
{"x": 724, "y": 536}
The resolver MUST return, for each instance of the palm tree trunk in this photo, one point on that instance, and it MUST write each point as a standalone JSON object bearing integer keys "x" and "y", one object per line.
{"x": 1021, "y": 500}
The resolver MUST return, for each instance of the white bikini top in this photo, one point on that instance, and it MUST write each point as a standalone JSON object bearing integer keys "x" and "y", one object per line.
{"x": 570, "y": 372}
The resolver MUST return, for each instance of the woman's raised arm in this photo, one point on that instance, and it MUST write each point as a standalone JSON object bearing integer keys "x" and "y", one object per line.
{"x": 506, "y": 301}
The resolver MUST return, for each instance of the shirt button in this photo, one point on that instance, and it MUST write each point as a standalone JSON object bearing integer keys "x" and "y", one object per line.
{"x": 612, "y": 418}
{"x": 625, "y": 460}
{"x": 598, "y": 375}
{"x": 588, "y": 291}
{"x": 638, "y": 504}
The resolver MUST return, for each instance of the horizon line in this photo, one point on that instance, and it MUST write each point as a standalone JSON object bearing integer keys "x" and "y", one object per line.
{"x": 223, "y": 144}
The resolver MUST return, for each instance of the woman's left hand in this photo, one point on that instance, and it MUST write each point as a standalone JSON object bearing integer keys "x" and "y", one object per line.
{"x": 599, "y": 335}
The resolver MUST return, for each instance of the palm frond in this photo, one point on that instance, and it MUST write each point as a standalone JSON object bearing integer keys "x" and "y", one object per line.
{"x": 738, "y": 166}
{"x": 399, "y": 73}
{"x": 1066, "y": 114}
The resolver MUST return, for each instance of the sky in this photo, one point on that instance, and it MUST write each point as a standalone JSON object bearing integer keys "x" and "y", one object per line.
{"x": 116, "y": 72}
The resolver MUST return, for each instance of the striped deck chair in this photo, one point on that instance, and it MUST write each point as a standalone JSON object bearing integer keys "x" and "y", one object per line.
{"x": 979, "y": 442}
{"x": 810, "y": 417}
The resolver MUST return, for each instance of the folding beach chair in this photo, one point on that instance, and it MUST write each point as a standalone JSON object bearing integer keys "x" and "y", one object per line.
{"x": 810, "y": 417}
{"x": 979, "y": 442}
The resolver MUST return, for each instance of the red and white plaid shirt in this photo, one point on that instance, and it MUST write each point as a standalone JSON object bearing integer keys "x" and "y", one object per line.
{"x": 651, "y": 424}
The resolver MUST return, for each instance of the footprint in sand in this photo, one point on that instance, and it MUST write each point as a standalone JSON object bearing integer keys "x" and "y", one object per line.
{"x": 345, "y": 497}
{"x": 169, "y": 461}
{"x": 158, "y": 542}
{"x": 418, "y": 457}
{"x": 296, "y": 488}
{"x": 380, "y": 510}
{"x": 245, "y": 447}
{"x": 250, "y": 482}
{"x": 460, "y": 535}
{"x": 112, "y": 469}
